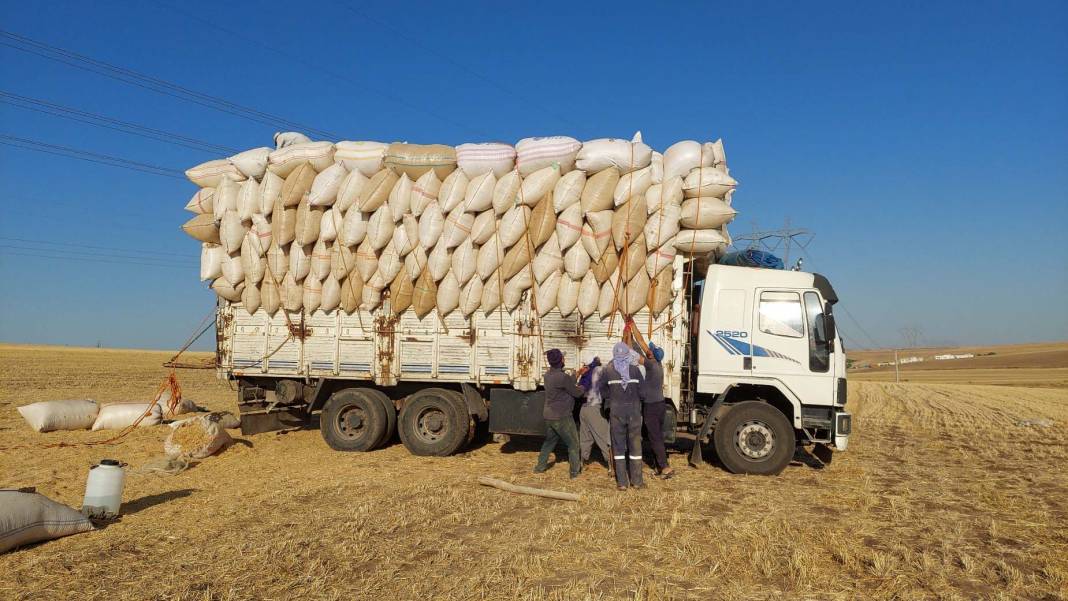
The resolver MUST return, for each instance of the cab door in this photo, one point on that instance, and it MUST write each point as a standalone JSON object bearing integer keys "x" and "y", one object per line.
{"x": 781, "y": 342}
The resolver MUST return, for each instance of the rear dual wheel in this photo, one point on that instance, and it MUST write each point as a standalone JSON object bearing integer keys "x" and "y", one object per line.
{"x": 435, "y": 422}
{"x": 357, "y": 419}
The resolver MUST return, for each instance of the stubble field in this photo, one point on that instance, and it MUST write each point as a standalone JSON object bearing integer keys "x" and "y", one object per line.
{"x": 942, "y": 495}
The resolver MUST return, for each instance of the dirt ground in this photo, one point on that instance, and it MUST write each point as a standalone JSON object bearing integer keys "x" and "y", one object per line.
{"x": 942, "y": 495}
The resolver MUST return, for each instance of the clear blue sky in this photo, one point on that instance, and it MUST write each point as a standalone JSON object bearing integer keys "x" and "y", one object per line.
{"x": 925, "y": 143}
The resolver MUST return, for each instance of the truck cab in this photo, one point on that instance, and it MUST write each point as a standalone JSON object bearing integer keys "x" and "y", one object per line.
{"x": 767, "y": 368}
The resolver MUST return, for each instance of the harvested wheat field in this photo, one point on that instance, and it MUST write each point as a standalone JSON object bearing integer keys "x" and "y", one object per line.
{"x": 942, "y": 495}
{"x": 1032, "y": 365}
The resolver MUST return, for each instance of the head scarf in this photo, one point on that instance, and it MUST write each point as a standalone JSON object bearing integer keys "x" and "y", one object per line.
{"x": 555, "y": 358}
{"x": 658, "y": 353}
{"x": 621, "y": 361}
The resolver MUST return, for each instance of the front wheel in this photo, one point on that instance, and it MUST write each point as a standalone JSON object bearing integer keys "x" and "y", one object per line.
{"x": 754, "y": 438}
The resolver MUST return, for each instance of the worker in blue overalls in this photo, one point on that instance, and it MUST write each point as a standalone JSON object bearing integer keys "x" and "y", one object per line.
{"x": 622, "y": 390}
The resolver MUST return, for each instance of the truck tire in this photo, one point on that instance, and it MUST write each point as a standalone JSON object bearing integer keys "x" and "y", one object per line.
{"x": 461, "y": 405}
{"x": 754, "y": 437}
{"x": 352, "y": 420}
{"x": 431, "y": 424}
{"x": 391, "y": 415}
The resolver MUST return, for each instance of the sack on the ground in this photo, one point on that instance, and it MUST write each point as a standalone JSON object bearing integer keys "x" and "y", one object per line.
{"x": 47, "y": 416}
{"x": 196, "y": 437}
{"x": 116, "y": 416}
{"x": 30, "y": 517}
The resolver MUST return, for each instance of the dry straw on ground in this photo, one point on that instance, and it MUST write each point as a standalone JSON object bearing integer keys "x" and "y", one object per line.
{"x": 941, "y": 496}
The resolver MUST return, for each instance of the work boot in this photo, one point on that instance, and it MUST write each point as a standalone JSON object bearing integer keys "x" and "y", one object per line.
{"x": 540, "y": 469}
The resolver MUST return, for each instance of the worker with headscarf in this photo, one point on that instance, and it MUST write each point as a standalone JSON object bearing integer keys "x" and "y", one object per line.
{"x": 560, "y": 393}
{"x": 593, "y": 427}
{"x": 654, "y": 408}
{"x": 621, "y": 388}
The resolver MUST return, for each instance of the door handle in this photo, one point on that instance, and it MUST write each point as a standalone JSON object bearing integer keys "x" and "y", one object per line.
{"x": 747, "y": 363}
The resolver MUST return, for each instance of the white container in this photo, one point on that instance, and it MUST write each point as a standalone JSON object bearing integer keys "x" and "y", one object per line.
{"x": 103, "y": 489}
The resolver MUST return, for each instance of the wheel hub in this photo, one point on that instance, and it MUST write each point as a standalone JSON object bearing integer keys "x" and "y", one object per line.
{"x": 351, "y": 422}
{"x": 432, "y": 424}
{"x": 755, "y": 439}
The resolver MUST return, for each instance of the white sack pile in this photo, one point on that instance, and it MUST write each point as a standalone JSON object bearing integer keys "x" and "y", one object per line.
{"x": 587, "y": 227}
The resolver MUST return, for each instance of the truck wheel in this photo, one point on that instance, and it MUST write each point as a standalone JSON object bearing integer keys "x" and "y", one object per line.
{"x": 754, "y": 438}
{"x": 461, "y": 405}
{"x": 430, "y": 423}
{"x": 391, "y": 415}
{"x": 352, "y": 421}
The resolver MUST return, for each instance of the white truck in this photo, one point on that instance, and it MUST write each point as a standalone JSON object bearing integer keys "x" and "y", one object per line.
{"x": 753, "y": 363}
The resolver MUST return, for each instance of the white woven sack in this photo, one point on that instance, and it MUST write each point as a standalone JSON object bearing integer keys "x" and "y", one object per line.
{"x": 491, "y": 293}
{"x": 232, "y": 231}
{"x": 365, "y": 157}
{"x": 471, "y": 297}
{"x": 569, "y": 225}
{"x": 260, "y": 234}
{"x": 457, "y": 227}
{"x": 226, "y": 194}
{"x": 567, "y": 296}
{"x": 598, "y": 155}
{"x": 48, "y": 416}
{"x": 490, "y": 157}
{"x": 609, "y": 298}
{"x": 479, "y": 195}
{"x": 431, "y": 222}
{"x": 576, "y": 261}
{"x": 326, "y": 185}
{"x": 662, "y": 227}
{"x": 210, "y": 173}
{"x": 269, "y": 192}
{"x": 448, "y": 295}
{"x": 292, "y": 293}
{"x": 214, "y": 436}
{"x": 538, "y": 153}
{"x": 400, "y": 198}
{"x": 366, "y": 260}
{"x": 331, "y": 295}
{"x": 439, "y": 261}
{"x": 289, "y": 138}
{"x": 371, "y": 293}
{"x": 313, "y": 293}
{"x": 329, "y": 224}
{"x": 390, "y": 264}
{"x": 597, "y": 233}
{"x": 657, "y": 166}
{"x": 251, "y": 163}
{"x": 568, "y": 190}
{"x": 589, "y": 294}
{"x": 226, "y": 291}
{"x": 452, "y": 191}
{"x": 538, "y": 184}
{"x": 415, "y": 262}
{"x": 277, "y": 263}
{"x": 283, "y": 161}
{"x": 464, "y": 262}
{"x": 116, "y": 416}
{"x": 660, "y": 259}
{"x": 546, "y": 292}
{"x": 667, "y": 193}
{"x": 202, "y": 201}
{"x": 380, "y": 228}
{"x": 320, "y": 261}
{"x": 353, "y": 227}
{"x": 211, "y": 258}
{"x": 505, "y": 192}
{"x": 513, "y": 225}
{"x": 682, "y": 157}
{"x": 306, "y": 230}
{"x": 424, "y": 191}
{"x": 250, "y": 298}
{"x": 29, "y": 517}
{"x": 489, "y": 258}
{"x": 254, "y": 265}
{"x": 635, "y": 294}
{"x": 548, "y": 259}
{"x": 515, "y": 287}
{"x": 484, "y": 227}
{"x": 707, "y": 181}
{"x": 342, "y": 261}
{"x": 232, "y": 269}
{"x": 705, "y": 213}
{"x": 634, "y": 183}
{"x": 406, "y": 235}
{"x": 299, "y": 261}
{"x": 699, "y": 242}
{"x": 348, "y": 192}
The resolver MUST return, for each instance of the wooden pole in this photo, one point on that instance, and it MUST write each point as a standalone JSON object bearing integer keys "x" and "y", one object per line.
{"x": 526, "y": 490}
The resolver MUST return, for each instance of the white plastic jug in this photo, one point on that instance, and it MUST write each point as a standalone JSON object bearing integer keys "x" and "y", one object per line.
{"x": 103, "y": 489}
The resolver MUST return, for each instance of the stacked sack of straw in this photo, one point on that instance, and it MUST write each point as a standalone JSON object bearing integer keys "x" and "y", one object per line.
{"x": 590, "y": 227}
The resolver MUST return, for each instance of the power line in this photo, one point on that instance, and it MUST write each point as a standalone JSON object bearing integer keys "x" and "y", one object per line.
{"x": 86, "y": 253}
{"x": 459, "y": 65}
{"x": 85, "y": 155}
{"x": 875, "y": 344}
{"x": 318, "y": 67}
{"x": 58, "y": 110}
{"x": 73, "y": 245}
{"x": 155, "y": 84}
{"x": 89, "y": 259}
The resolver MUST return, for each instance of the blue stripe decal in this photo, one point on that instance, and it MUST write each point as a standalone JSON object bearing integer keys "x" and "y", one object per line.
{"x": 726, "y": 346}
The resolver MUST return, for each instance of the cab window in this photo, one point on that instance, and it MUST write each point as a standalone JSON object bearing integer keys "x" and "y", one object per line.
{"x": 819, "y": 359}
{"x": 780, "y": 314}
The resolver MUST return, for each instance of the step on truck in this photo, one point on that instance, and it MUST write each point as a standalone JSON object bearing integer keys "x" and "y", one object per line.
{"x": 753, "y": 367}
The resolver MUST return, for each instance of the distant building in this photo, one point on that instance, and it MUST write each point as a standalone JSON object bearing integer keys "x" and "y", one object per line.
{"x": 945, "y": 357}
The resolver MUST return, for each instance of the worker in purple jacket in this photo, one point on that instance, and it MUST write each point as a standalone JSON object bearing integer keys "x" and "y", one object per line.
{"x": 560, "y": 394}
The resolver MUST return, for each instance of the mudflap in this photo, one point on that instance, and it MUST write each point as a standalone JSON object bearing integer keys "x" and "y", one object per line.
{"x": 823, "y": 453}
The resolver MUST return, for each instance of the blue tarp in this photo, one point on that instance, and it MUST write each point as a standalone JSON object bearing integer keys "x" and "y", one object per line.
{"x": 752, "y": 258}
